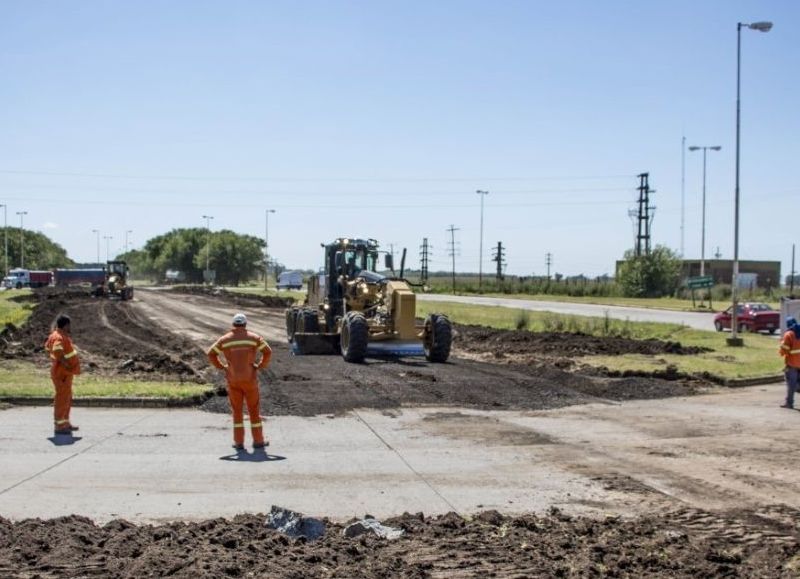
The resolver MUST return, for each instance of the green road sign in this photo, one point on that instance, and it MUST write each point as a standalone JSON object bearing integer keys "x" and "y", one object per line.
{"x": 703, "y": 281}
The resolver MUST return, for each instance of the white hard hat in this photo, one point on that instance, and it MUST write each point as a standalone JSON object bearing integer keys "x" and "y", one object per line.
{"x": 240, "y": 319}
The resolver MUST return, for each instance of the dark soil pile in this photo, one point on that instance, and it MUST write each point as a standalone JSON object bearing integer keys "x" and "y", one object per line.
{"x": 111, "y": 338}
{"x": 488, "y": 545}
{"x": 510, "y": 342}
{"x": 236, "y": 298}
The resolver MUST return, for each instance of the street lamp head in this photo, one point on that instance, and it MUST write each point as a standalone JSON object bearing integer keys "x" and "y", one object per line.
{"x": 694, "y": 148}
{"x": 716, "y": 148}
{"x": 761, "y": 26}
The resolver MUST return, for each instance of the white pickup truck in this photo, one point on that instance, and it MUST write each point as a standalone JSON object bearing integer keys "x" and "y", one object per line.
{"x": 290, "y": 280}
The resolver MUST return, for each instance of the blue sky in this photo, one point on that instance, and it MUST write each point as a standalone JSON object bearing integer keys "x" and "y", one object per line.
{"x": 381, "y": 119}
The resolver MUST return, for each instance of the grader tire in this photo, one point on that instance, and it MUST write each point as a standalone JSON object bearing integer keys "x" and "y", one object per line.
{"x": 354, "y": 337}
{"x": 438, "y": 338}
{"x": 307, "y": 321}
{"x": 291, "y": 323}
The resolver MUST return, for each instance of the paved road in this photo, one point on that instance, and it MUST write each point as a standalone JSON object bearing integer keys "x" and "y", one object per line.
{"x": 697, "y": 320}
{"x": 721, "y": 450}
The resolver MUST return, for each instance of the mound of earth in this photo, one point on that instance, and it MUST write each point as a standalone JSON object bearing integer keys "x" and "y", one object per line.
{"x": 236, "y": 298}
{"x": 111, "y": 337}
{"x": 477, "y": 339}
{"x": 489, "y": 544}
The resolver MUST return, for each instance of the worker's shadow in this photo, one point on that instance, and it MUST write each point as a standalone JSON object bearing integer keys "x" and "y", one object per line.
{"x": 63, "y": 439}
{"x": 258, "y": 455}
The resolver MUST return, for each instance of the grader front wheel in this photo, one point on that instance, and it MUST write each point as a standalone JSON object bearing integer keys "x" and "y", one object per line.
{"x": 438, "y": 338}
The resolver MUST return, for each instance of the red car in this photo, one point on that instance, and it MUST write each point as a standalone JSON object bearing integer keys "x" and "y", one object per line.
{"x": 752, "y": 317}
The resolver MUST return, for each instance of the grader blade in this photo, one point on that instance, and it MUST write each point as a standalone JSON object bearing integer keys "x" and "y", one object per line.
{"x": 312, "y": 343}
{"x": 395, "y": 348}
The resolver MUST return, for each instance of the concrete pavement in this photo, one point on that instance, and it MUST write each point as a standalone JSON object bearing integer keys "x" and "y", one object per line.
{"x": 728, "y": 447}
{"x": 696, "y": 320}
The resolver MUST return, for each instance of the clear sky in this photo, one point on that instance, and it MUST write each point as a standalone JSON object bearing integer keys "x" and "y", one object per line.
{"x": 381, "y": 119}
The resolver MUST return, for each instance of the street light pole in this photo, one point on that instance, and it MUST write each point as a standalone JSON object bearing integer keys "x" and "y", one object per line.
{"x": 703, "y": 235}
{"x": 266, "y": 246}
{"x": 5, "y": 238}
{"x": 21, "y": 239}
{"x": 208, "y": 219}
{"x": 480, "y": 251}
{"x": 126, "y": 239}
{"x": 734, "y": 340}
{"x": 97, "y": 232}
{"x": 108, "y": 239}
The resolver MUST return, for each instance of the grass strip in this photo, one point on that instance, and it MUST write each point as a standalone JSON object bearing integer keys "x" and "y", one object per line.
{"x": 13, "y": 307}
{"x": 758, "y": 357}
{"x": 24, "y": 379}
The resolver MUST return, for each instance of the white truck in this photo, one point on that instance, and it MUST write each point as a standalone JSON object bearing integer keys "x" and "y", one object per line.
{"x": 19, "y": 278}
{"x": 290, "y": 280}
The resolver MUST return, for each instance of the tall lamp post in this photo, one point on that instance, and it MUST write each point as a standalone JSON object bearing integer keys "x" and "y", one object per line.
{"x": 480, "y": 251}
{"x": 126, "y": 239}
{"x": 266, "y": 246}
{"x": 108, "y": 239}
{"x": 97, "y": 233}
{"x": 734, "y": 340}
{"x": 703, "y": 235}
{"x": 21, "y": 239}
{"x": 5, "y": 238}
{"x": 208, "y": 219}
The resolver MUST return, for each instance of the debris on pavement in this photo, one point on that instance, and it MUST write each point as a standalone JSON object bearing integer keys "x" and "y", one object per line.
{"x": 294, "y": 524}
{"x": 370, "y": 525}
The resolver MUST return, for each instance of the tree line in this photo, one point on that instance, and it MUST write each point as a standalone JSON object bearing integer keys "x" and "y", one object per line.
{"x": 235, "y": 258}
{"x": 40, "y": 251}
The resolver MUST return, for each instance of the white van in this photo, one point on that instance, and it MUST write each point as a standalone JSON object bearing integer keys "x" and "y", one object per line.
{"x": 290, "y": 280}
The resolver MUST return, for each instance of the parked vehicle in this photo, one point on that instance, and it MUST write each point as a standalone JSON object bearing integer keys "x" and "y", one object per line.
{"x": 290, "y": 280}
{"x": 19, "y": 278}
{"x": 751, "y": 317}
{"x": 95, "y": 277}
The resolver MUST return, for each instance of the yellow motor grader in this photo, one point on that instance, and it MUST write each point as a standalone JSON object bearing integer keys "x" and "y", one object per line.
{"x": 352, "y": 309}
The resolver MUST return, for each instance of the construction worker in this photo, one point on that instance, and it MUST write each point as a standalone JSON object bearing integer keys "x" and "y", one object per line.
{"x": 65, "y": 365}
{"x": 236, "y": 353}
{"x": 790, "y": 350}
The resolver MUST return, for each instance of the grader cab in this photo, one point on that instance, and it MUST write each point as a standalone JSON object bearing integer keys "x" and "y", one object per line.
{"x": 352, "y": 309}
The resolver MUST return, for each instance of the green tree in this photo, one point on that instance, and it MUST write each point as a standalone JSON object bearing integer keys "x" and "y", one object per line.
{"x": 654, "y": 275}
{"x": 235, "y": 258}
{"x": 41, "y": 252}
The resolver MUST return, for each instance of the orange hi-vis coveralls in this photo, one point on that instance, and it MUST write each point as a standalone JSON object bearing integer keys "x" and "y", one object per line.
{"x": 65, "y": 365}
{"x": 240, "y": 349}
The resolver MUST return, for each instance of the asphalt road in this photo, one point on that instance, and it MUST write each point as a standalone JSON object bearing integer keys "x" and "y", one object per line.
{"x": 698, "y": 321}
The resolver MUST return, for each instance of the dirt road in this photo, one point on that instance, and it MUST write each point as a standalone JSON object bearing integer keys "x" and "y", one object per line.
{"x": 706, "y": 485}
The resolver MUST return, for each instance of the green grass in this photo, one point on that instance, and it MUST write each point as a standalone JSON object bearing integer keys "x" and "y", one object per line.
{"x": 28, "y": 380}
{"x": 759, "y": 356}
{"x": 13, "y": 311}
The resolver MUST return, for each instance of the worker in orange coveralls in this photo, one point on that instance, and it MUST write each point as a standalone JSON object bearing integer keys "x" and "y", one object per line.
{"x": 65, "y": 366}
{"x": 236, "y": 353}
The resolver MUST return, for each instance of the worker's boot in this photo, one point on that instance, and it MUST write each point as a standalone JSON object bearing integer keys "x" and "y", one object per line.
{"x": 237, "y": 446}
{"x": 261, "y": 444}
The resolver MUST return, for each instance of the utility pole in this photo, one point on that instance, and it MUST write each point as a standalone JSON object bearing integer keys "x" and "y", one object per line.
{"x": 452, "y": 249}
{"x": 717, "y": 255}
{"x": 499, "y": 257}
{"x": 791, "y": 277}
{"x": 644, "y": 217}
{"x": 683, "y": 192}
{"x": 480, "y": 251}
{"x": 548, "y": 261}
{"x": 126, "y": 239}
{"x": 97, "y": 233}
{"x": 424, "y": 256}
{"x": 266, "y": 247}
{"x": 21, "y": 239}
{"x": 703, "y": 235}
